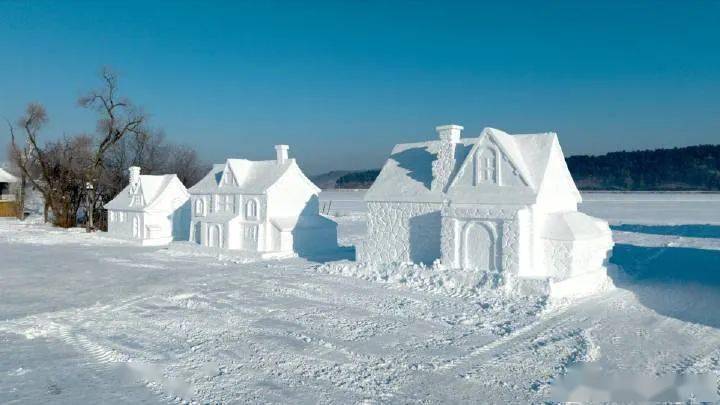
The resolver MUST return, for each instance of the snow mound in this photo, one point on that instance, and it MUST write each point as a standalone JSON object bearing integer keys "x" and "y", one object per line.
{"x": 435, "y": 278}
{"x": 440, "y": 279}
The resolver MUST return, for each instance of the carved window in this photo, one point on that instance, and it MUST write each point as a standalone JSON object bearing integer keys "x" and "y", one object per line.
{"x": 199, "y": 207}
{"x": 486, "y": 166}
{"x": 251, "y": 209}
{"x": 136, "y": 200}
{"x": 251, "y": 232}
{"x": 230, "y": 203}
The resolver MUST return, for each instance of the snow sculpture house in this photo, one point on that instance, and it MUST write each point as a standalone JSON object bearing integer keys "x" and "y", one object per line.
{"x": 497, "y": 203}
{"x": 152, "y": 210}
{"x": 266, "y": 208}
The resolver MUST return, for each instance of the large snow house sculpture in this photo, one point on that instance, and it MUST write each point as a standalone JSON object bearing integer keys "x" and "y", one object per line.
{"x": 498, "y": 203}
{"x": 152, "y": 210}
{"x": 265, "y": 208}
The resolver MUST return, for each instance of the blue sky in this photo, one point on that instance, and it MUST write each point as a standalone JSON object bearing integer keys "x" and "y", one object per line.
{"x": 342, "y": 82}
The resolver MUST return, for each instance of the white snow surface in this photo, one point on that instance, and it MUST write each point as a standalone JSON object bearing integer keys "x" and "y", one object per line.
{"x": 88, "y": 319}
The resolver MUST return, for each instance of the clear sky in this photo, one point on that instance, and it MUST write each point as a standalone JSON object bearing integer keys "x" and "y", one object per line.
{"x": 342, "y": 82}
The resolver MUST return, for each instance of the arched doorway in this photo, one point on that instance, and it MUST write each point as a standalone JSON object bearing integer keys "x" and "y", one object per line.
{"x": 480, "y": 246}
{"x": 136, "y": 227}
{"x": 215, "y": 236}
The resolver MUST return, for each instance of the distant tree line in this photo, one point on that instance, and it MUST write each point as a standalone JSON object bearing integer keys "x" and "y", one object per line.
{"x": 361, "y": 179}
{"x": 78, "y": 174}
{"x": 678, "y": 169}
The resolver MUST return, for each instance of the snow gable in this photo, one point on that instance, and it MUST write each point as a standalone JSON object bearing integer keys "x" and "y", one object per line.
{"x": 228, "y": 178}
{"x": 493, "y": 160}
{"x": 558, "y": 191}
{"x": 152, "y": 193}
{"x": 292, "y": 194}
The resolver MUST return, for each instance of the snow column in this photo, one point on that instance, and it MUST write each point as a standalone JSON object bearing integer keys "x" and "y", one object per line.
{"x": 443, "y": 166}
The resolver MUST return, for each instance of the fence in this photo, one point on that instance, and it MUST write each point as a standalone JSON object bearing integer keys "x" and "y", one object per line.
{"x": 8, "y": 209}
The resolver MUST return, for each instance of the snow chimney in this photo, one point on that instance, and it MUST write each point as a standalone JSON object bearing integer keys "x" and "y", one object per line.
{"x": 134, "y": 177}
{"x": 282, "y": 153}
{"x": 444, "y": 164}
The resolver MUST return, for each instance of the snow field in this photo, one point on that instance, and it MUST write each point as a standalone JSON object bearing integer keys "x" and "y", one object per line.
{"x": 88, "y": 319}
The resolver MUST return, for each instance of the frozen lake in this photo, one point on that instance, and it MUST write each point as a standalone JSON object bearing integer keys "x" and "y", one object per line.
{"x": 86, "y": 319}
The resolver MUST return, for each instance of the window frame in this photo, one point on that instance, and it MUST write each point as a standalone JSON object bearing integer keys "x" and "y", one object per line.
{"x": 251, "y": 209}
{"x": 199, "y": 203}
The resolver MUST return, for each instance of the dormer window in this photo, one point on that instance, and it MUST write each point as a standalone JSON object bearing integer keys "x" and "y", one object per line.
{"x": 136, "y": 200}
{"x": 486, "y": 166}
{"x": 228, "y": 179}
{"x": 251, "y": 209}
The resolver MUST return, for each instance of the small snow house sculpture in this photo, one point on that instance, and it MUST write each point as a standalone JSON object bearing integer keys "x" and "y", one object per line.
{"x": 497, "y": 203}
{"x": 152, "y": 210}
{"x": 266, "y": 208}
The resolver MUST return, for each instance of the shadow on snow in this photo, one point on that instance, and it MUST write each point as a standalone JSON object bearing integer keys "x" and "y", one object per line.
{"x": 683, "y": 283}
{"x": 693, "y": 231}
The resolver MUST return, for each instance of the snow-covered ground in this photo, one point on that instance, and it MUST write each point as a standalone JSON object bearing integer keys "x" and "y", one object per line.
{"x": 86, "y": 319}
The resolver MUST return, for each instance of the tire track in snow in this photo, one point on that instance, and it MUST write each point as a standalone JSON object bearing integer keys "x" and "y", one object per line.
{"x": 557, "y": 325}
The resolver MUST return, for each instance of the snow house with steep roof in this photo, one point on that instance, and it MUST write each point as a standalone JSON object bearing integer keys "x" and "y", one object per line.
{"x": 152, "y": 210}
{"x": 498, "y": 203}
{"x": 266, "y": 208}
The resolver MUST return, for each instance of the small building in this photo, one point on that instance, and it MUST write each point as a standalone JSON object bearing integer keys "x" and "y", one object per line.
{"x": 152, "y": 210}
{"x": 495, "y": 203}
{"x": 8, "y": 184}
{"x": 265, "y": 208}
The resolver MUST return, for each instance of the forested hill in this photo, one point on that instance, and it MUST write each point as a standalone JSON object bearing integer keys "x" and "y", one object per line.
{"x": 676, "y": 169}
{"x": 689, "y": 168}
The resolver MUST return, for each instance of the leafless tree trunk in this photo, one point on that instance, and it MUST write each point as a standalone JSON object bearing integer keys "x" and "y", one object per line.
{"x": 20, "y": 197}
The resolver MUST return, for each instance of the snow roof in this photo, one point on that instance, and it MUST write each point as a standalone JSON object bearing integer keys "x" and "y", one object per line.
{"x": 6, "y": 177}
{"x": 153, "y": 189}
{"x": 572, "y": 226}
{"x": 407, "y": 175}
{"x": 249, "y": 177}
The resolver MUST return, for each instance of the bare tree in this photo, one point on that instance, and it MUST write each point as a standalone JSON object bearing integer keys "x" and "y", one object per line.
{"x": 27, "y": 156}
{"x": 118, "y": 118}
{"x": 55, "y": 168}
{"x": 185, "y": 163}
{"x": 89, "y": 170}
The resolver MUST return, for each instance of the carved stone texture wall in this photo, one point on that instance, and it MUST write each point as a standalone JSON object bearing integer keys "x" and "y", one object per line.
{"x": 566, "y": 259}
{"x": 402, "y": 232}
{"x": 454, "y": 218}
{"x": 558, "y": 258}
